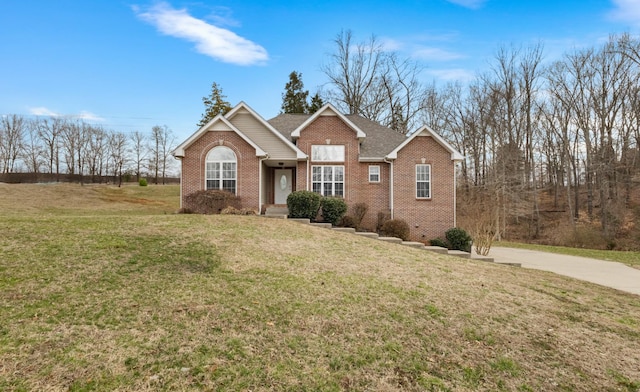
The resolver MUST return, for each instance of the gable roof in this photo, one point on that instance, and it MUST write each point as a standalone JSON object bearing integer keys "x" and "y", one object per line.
{"x": 379, "y": 140}
{"x": 178, "y": 152}
{"x": 240, "y": 107}
{"x": 328, "y": 109}
{"x": 426, "y": 131}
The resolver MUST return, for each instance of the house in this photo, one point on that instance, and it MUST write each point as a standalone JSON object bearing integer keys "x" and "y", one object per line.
{"x": 411, "y": 178}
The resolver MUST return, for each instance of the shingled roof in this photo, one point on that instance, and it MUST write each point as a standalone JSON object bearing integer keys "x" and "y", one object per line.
{"x": 379, "y": 142}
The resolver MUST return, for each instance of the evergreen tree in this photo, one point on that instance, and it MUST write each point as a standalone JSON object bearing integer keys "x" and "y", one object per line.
{"x": 294, "y": 99}
{"x": 316, "y": 103}
{"x": 214, "y": 104}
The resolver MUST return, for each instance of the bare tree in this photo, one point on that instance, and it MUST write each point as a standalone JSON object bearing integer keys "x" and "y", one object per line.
{"x": 162, "y": 140}
{"x": 117, "y": 146}
{"x": 139, "y": 150}
{"x": 12, "y": 129}
{"x": 50, "y": 132}
{"x": 33, "y": 151}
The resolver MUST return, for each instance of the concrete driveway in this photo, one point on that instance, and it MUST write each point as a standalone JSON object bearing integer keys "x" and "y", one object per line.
{"x": 606, "y": 273}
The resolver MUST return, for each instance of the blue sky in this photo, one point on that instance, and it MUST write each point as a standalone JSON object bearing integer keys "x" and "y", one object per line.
{"x": 130, "y": 65}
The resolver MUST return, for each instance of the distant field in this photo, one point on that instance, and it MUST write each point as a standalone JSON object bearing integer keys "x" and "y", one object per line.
{"x": 107, "y": 289}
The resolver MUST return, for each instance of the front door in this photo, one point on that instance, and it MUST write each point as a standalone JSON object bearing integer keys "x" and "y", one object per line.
{"x": 282, "y": 185}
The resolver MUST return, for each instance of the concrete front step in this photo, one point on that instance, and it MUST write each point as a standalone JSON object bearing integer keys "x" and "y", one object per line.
{"x": 276, "y": 210}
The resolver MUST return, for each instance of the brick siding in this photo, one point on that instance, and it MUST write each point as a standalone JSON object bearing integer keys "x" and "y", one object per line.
{"x": 427, "y": 218}
{"x": 193, "y": 166}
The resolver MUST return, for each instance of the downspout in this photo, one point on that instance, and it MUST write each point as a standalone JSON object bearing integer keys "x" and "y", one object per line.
{"x": 260, "y": 189}
{"x": 390, "y": 185}
{"x": 455, "y": 196}
{"x": 308, "y": 172}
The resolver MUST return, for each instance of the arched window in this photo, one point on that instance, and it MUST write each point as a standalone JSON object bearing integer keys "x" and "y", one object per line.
{"x": 221, "y": 169}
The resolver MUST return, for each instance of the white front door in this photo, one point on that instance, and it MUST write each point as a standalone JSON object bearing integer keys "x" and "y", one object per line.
{"x": 282, "y": 185}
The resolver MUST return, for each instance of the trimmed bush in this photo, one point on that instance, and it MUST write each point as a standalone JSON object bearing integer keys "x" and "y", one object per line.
{"x": 396, "y": 228}
{"x": 211, "y": 201}
{"x": 142, "y": 182}
{"x": 333, "y": 209}
{"x": 303, "y": 204}
{"x": 458, "y": 239}
{"x": 439, "y": 242}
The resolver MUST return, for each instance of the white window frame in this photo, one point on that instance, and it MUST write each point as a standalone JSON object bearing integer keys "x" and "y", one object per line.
{"x": 420, "y": 179}
{"x": 221, "y": 170}
{"x": 327, "y": 153}
{"x": 324, "y": 179}
{"x": 373, "y": 173}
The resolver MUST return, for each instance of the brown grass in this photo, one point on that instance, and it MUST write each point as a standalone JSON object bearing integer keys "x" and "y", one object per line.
{"x": 190, "y": 302}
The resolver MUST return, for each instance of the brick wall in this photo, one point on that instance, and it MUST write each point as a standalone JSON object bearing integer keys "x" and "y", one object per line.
{"x": 357, "y": 185}
{"x": 427, "y": 218}
{"x": 193, "y": 166}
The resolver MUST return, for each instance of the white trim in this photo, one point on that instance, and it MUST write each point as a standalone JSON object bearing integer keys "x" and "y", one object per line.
{"x": 178, "y": 152}
{"x": 332, "y": 181}
{"x": 455, "y": 155}
{"x": 243, "y": 105}
{"x": 378, "y": 174}
{"x": 328, "y": 107}
{"x": 430, "y": 182}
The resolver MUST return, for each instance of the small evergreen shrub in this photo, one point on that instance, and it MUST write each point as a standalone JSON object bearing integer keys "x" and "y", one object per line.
{"x": 396, "y": 228}
{"x": 303, "y": 204}
{"x": 333, "y": 209}
{"x": 211, "y": 201}
{"x": 439, "y": 242}
{"x": 142, "y": 182}
{"x": 458, "y": 239}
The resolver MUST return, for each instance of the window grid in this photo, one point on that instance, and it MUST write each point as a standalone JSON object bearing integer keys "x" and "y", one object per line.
{"x": 328, "y": 180}
{"x": 221, "y": 170}
{"x": 374, "y": 173}
{"x": 423, "y": 181}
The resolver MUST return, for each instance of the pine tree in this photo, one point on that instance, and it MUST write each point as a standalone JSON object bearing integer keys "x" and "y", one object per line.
{"x": 294, "y": 99}
{"x": 214, "y": 104}
{"x": 316, "y": 103}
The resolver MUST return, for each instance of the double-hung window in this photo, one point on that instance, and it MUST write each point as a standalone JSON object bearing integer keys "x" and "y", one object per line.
{"x": 423, "y": 181}
{"x": 374, "y": 173}
{"x": 328, "y": 180}
{"x": 221, "y": 169}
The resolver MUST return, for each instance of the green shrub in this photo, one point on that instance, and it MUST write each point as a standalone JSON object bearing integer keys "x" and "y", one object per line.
{"x": 333, "y": 209}
{"x": 142, "y": 182}
{"x": 303, "y": 204}
{"x": 211, "y": 201}
{"x": 458, "y": 239}
{"x": 396, "y": 228}
{"x": 439, "y": 242}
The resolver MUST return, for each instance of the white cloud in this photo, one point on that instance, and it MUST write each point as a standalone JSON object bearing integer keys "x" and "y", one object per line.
{"x": 83, "y": 115}
{"x": 87, "y": 116}
{"x": 452, "y": 74}
{"x": 435, "y": 54}
{"x": 627, "y": 10}
{"x": 220, "y": 44}
{"x": 473, "y": 4}
{"x": 42, "y": 111}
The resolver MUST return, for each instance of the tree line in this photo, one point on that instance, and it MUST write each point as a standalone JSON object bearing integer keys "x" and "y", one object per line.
{"x": 57, "y": 145}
